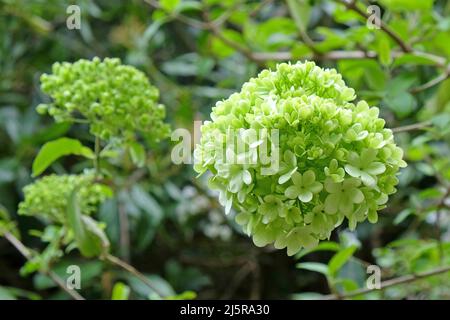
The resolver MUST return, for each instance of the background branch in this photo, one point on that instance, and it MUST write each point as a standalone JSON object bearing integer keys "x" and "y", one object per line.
{"x": 389, "y": 283}
{"x": 27, "y": 254}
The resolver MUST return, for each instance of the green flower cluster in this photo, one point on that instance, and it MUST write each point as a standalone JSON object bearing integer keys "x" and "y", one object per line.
{"x": 48, "y": 197}
{"x": 116, "y": 100}
{"x": 335, "y": 159}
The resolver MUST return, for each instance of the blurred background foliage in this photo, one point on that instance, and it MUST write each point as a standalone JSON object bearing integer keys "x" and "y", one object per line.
{"x": 168, "y": 224}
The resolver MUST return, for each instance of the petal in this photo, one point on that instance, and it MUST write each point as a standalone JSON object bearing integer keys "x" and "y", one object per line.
{"x": 351, "y": 183}
{"x": 345, "y": 205}
{"x": 308, "y": 177}
{"x": 332, "y": 203}
{"x": 333, "y": 165}
{"x": 332, "y": 187}
{"x": 355, "y": 195}
{"x": 372, "y": 216}
{"x": 269, "y": 215}
{"x": 280, "y": 242}
{"x": 228, "y": 204}
{"x": 315, "y": 187}
{"x": 297, "y": 179}
{"x": 308, "y": 218}
{"x": 243, "y": 218}
{"x": 260, "y": 240}
{"x": 292, "y": 192}
{"x": 305, "y": 196}
{"x": 382, "y": 199}
{"x": 293, "y": 245}
{"x": 307, "y": 240}
{"x": 368, "y": 180}
{"x": 353, "y": 159}
{"x": 290, "y": 158}
{"x": 235, "y": 183}
{"x": 285, "y": 177}
{"x": 353, "y": 171}
{"x": 376, "y": 168}
{"x": 247, "y": 177}
{"x": 368, "y": 155}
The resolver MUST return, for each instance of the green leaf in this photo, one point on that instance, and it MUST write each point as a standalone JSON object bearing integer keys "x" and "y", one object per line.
{"x": 407, "y": 5}
{"x": 6, "y": 224}
{"x": 301, "y": 12}
{"x": 169, "y": 5}
{"x": 5, "y": 294}
{"x": 313, "y": 266}
{"x": 223, "y": 50}
{"x": 339, "y": 259}
{"x": 90, "y": 239}
{"x": 323, "y": 246}
{"x": 412, "y": 59}
{"x": 53, "y": 150}
{"x": 402, "y": 216}
{"x": 186, "y": 295}
{"x": 120, "y": 291}
{"x": 384, "y": 51}
{"x": 137, "y": 153}
{"x": 397, "y": 97}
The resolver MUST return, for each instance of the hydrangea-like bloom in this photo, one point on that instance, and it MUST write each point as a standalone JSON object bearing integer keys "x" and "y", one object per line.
{"x": 335, "y": 159}
{"x": 116, "y": 100}
{"x": 48, "y": 196}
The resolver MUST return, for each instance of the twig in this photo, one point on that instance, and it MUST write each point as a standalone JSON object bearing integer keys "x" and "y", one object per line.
{"x": 389, "y": 283}
{"x": 239, "y": 276}
{"x": 411, "y": 127}
{"x": 258, "y": 8}
{"x": 262, "y": 57}
{"x": 301, "y": 29}
{"x": 129, "y": 268}
{"x": 24, "y": 251}
{"x": 432, "y": 82}
{"x": 124, "y": 233}
{"x": 351, "y": 5}
{"x": 437, "y": 224}
{"x": 97, "y": 157}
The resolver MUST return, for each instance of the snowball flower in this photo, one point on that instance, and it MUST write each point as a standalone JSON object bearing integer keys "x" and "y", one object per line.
{"x": 313, "y": 158}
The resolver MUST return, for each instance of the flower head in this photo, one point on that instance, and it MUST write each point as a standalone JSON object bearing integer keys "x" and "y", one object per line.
{"x": 116, "y": 100}
{"x": 330, "y": 159}
{"x": 48, "y": 196}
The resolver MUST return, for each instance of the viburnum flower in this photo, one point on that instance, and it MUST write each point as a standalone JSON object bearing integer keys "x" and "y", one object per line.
{"x": 364, "y": 167}
{"x": 271, "y": 208}
{"x": 47, "y": 197}
{"x": 321, "y": 159}
{"x": 304, "y": 186}
{"x": 342, "y": 195}
{"x": 116, "y": 100}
